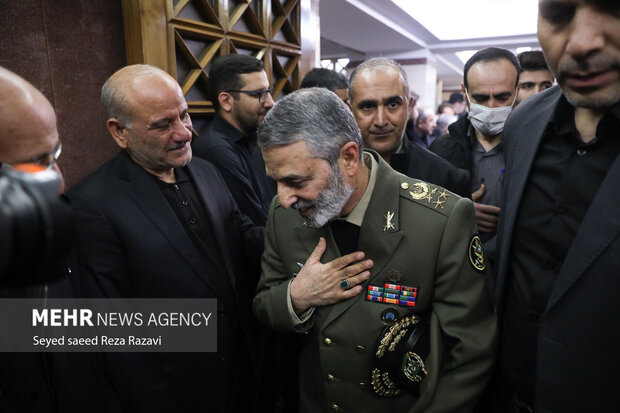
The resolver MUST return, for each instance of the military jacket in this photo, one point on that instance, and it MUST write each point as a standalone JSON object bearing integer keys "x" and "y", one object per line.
{"x": 418, "y": 235}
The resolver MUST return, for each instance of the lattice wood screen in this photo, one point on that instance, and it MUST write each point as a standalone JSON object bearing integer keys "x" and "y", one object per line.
{"x": 184, "y": 36}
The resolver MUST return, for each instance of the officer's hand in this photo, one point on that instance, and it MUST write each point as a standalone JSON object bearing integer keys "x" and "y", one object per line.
{"x": 319, "y": 284}
{"x": 487, "y": 216}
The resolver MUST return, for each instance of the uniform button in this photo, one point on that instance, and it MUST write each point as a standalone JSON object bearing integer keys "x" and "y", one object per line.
{"x": 335, "y": 408}
{"x": 327, "y": 341}
{"x": 176, "y": 187}
{"x": 362, "y": 385}
{"x": 192, "y": 221}
{"x": 331, "y": 378}
{"x": 360, "y": 349}
{"x": 581, "y": 151}
{"x": 185, "y": 202}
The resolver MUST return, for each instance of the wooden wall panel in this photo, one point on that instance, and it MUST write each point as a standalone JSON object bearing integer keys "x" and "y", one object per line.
{"x": 67, "y": 48}
{"x": 184, "y": 36}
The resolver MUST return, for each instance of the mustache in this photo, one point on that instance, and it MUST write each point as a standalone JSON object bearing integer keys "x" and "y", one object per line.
{"x": 303, "y": 204}
{"x": 177, "y": 145}
{"x": 589, "y": 64}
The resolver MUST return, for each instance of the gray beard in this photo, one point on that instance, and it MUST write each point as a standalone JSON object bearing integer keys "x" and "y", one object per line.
{"x": 330, "y": 202}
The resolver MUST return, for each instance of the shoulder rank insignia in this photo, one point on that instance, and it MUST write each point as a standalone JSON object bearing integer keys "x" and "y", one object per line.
{"x": 422, "y": 191}
{"x": 476, "y": 256}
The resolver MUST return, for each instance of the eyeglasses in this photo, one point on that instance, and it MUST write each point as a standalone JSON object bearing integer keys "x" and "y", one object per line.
{"x": 49, "y": 159}
{"x": 260, "y": 94}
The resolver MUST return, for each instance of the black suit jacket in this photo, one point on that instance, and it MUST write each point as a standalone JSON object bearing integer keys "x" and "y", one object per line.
{"x": 131, "y": 244}
{"x": 578, "y": 334}
{"x": 419, "y": 163}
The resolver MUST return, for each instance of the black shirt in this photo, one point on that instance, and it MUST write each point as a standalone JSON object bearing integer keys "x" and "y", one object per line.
{"x": 564, "y": 178}
{"x": 184, "y": 200}
{"x": 240, "y": 162}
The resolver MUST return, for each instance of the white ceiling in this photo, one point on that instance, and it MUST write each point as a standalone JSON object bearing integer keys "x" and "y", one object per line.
{"x": 360, "y": 29}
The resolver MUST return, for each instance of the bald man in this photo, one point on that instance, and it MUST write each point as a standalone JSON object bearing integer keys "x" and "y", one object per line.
{"x": 37, "y": 382}
{"x": 27, "y": 123}
{"x": 154, "y": 223}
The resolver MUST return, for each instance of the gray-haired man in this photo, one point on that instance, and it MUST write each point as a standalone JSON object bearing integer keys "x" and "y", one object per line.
{"x": 369, "y": 253}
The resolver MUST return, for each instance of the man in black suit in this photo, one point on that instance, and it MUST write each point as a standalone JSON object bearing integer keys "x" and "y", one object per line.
{"x": 380, "y": 101}
{"x": 559, "y": 232}
{"x": 150, "y": 223}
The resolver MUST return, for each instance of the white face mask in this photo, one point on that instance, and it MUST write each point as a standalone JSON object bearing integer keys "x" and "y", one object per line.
{"x": 489, "y": 121}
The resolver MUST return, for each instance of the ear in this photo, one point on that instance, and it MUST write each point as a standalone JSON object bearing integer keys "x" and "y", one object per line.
{"x": 118, "y": 132}
{"x": 409, "y": 107}
{"x": 226, "y": 101}
{"x": 349, "y": 159}
{"x": 464, "y": 94}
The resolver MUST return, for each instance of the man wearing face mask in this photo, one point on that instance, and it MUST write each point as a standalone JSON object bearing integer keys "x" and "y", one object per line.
{"x": 474, "y": 143}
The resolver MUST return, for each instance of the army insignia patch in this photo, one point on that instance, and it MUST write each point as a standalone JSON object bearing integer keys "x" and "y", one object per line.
{"x": 476, "y": 256}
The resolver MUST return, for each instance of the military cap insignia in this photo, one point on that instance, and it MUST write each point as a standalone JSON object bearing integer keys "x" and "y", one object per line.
{"x": 476, "y": 256}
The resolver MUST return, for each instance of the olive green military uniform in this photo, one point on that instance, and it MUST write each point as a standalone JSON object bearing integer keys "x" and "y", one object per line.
{"x": 425, "y": 244}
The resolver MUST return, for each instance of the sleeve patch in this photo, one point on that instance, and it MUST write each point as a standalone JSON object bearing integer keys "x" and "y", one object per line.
{"x": 476, "y": 256}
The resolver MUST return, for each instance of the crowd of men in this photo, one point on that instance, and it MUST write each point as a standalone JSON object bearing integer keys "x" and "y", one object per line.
{"x": 360, "y": 262}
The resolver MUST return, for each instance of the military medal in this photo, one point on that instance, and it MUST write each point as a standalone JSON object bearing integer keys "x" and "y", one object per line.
{"x": 392, "y": 293}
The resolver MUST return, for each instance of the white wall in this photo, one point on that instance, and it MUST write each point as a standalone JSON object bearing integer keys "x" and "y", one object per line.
{"x": 423, "y": 81}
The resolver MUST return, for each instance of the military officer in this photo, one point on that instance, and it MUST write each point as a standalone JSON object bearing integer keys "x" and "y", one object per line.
{"x": 383, "y": 273}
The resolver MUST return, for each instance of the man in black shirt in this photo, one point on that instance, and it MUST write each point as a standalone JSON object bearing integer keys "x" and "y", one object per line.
{"x": 380, "y": 101}
{"x": 153, "y": 223}
{"x": 241, "y": 96}
{"x": 559, "y": 232}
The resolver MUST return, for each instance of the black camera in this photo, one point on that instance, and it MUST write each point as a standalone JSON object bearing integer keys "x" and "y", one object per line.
{"x": 36, "y": 225}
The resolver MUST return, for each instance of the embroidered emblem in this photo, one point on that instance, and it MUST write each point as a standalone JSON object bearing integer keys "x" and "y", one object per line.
{"x": 476, "y": 256}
